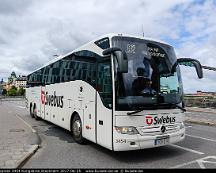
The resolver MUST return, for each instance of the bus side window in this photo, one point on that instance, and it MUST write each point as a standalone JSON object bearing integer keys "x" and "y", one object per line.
{"x": 45, "y": 76}
{"x": 78, "y": 68}
{"x": 104, "y": 84}
{"x": 49, "y": 78}
{"x": 91, "y": 78}
{"x": 65, "y": 70}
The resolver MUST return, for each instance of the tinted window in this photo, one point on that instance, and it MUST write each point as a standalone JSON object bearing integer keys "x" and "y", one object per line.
{"x": 35, "y": 79}
{"x": 104, "y": 85}
{"x": 103, "y": 43}
{"x": 78, "y": 66}
{"x": 49, "y": 77}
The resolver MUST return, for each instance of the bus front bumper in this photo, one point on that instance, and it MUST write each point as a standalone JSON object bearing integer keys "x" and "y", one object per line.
{"x": 124, "y": 142}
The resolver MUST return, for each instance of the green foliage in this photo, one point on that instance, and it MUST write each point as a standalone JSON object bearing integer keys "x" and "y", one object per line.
{"x": 12, "y": 92}
{"x": 15, "y": 92}
{"x": 21, "y": 91}
{"x": 13, "y": 87}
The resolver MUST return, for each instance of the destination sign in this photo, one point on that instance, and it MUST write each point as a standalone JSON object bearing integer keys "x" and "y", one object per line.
{"x": 156, "y": 52}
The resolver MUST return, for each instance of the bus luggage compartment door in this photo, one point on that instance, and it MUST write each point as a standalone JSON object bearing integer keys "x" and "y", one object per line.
{"x": 89, "y": 121}
{"x": 87, "y": 97}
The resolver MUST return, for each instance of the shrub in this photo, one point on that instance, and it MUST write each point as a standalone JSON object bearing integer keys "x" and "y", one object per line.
{"x": 21, "y": 91}
{"x": 12, "y": 91}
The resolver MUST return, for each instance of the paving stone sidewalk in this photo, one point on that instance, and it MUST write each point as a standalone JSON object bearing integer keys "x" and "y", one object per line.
{"x": 16, "y": 139}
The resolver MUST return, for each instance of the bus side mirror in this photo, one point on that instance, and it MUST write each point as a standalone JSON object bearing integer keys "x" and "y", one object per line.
{"x": 191, "y": 63}
{"x": 121, "y": 57}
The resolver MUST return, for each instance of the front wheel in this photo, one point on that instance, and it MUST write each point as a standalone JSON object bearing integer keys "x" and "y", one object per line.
{"x": 30, "y": 111}
{"x": 76, "y": 129}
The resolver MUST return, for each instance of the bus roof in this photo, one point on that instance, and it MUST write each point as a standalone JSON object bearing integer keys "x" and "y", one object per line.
{"x": 92, "y": 44}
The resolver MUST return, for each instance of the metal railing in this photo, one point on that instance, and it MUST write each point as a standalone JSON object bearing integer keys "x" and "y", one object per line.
{"x": 11, "y": 98}
{"x": 201, "y": 101}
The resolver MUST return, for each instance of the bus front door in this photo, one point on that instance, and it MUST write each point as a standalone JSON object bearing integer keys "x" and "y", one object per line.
{"x": 104, "y": 104}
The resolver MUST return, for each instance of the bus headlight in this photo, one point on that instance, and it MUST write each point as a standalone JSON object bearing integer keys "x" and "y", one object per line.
{"x": 127, "y": 130}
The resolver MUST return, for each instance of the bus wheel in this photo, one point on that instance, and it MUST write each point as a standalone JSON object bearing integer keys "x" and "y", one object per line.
{"x": 30, "y": 110}
{"x": 35, "y": 113}
{"x": 76, "y": 128}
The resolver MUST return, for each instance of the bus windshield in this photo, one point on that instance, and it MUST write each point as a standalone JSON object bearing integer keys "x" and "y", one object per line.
{"x": 149, "y": 82}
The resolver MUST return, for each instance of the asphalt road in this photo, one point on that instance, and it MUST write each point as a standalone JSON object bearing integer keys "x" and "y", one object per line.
{"x": 201, "y": 115}
{"x": 58, "y": 150}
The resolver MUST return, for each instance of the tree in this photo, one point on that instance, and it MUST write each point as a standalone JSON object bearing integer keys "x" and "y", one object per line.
{"x": 21, "y": 91}
{"x": 13, "y": 87}
{"x": 12, "y": 91}
{"x": 4, "y": 92}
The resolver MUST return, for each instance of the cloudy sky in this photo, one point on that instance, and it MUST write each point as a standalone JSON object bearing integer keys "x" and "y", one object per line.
{"x": 32, "y": 31}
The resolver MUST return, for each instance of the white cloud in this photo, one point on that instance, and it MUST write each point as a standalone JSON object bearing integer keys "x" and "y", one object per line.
{"x": 31, "y": 32}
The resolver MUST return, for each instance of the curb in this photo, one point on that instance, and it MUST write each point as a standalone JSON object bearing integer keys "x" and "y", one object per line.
{"x": 205, "y": 111}
{"x": 33, "y": 149}
{"x": 33, "y": 130}
{"x": 24, "y": 159}
{"x": 200, "y": 122}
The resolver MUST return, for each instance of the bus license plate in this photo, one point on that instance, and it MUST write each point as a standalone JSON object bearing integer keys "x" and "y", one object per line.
{"x": 162, "y": 140}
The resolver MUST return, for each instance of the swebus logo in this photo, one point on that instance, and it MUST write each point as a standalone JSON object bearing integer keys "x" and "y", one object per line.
{"x": 156, "y": 120}
{"x": 42, "y": 97}
{"x": 149, "y": 120}
{"x": 52, "y": 100}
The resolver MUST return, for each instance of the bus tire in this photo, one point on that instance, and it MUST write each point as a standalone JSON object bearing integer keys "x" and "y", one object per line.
{"x": 35, "y": 113}
{"x": 30, "y": 111}
{"x": 76, "y": 129}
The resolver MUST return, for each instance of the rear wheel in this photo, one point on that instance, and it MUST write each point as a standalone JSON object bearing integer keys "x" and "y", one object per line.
{"x": 76, "y": 129}
{"x": 35, "y": 113}
{"x": 31, "y": 112}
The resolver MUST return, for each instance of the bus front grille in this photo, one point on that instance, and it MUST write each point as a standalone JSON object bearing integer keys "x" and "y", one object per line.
{"x": 156, "y": 130}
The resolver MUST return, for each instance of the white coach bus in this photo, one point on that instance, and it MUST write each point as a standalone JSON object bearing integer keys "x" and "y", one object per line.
{"x": 119, "y": 91}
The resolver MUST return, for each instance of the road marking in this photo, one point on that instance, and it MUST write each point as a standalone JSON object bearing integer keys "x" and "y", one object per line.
{"x": 200, "y": 162}
{"x": 199, "y": 137}
{"x": 188, "y": 127}
{"x": 183, "y": 164}
{"x": 22, "y": 107}
{"x": 34, "y": 131}
{"x": 187, "y": 149}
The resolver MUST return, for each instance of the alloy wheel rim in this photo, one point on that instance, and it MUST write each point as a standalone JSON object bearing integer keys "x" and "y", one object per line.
{"x": 77, "y": 128}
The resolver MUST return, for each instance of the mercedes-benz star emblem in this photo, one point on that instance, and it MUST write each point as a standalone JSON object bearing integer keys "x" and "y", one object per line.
{"x": 163, "y": 129}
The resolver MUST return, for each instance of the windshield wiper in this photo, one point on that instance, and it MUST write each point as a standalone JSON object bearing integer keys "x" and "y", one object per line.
{"x": 144, "y": 108}
{"x": 177, "y": 106}
{"x": 131, "y": 113}
{"x": 140, "y": 109}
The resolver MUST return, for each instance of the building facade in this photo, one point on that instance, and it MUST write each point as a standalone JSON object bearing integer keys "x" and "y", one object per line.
{"x": 2, "y": 85}
{"x": 20, "y": 82}
{"x": 13, "y": 80}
